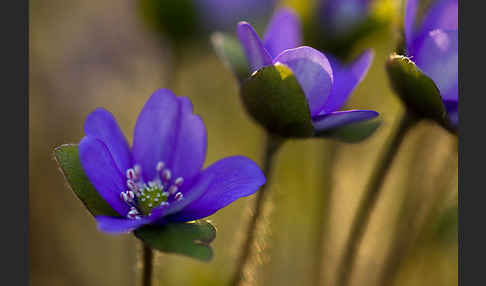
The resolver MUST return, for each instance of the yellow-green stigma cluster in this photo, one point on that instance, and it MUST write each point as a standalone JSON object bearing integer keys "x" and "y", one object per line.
{"x": 150, "y": 198}
{"x": 144, "y": 197}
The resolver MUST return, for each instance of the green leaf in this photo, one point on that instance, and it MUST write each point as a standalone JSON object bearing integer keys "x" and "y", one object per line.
{"x": 274, "y": 98}
{"x": 229, "y": 50}
{"x": 190, "y": 239}
{"x": 417, "y": 90}
{"x": 353, "y": 133}
{"x": 68, "y": 160}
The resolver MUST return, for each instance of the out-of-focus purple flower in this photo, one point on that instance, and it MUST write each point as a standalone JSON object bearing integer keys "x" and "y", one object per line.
{"x": 224, "y": 14}
{"x": 159, "y": 179}
{"x": 340, "y": 16}
{"x": 433, "y": 45}
{"x": 326, "y": 83}
{"x": 189, "y": 20}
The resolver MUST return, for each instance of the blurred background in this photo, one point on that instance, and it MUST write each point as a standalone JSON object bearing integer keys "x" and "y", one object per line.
{"x": 86, "y": 54}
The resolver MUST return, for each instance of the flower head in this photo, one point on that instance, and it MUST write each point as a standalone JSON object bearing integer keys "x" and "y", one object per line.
{"x": 433, "y": 45}
{"x": 184, "y": 20}
{"x": 222, "y": 14}
{"x": 341, "y": 16}
{"x": 159, "y": 179}
{"x": 325, "y": 81}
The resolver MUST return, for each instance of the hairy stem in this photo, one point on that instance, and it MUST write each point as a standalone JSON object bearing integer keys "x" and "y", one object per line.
{"x": 271, "y": 147}
{"x": 147, "y": 265}
{"x": 410, "y": 228}
{"x": 372, "y": 192}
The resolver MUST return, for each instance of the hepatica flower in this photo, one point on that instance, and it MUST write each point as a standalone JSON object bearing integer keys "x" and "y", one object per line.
{"x": 223, "y": 14}
{"x": 185, "y": 20}
{"x": 432, "y": 45}
{"x": 341, "y": 16}
{"x": 324, "y": 82}
{"x": 159, "y": 179}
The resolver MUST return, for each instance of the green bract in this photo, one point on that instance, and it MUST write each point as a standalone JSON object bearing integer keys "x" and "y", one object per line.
{"x": 191, "y": 239}
{"x": 417, "y": 90}
{"x": 68, "y": 160}
{"x": 353, "y": 133}
{"x": 274, "y": 98}
{"x": 231, "y": 54}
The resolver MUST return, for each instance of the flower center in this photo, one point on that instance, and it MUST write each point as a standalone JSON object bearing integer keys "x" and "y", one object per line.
{"x": 142, "y": 197}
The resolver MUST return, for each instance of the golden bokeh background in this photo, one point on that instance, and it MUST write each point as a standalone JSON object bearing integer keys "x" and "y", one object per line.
{"x": 86, "y": 54}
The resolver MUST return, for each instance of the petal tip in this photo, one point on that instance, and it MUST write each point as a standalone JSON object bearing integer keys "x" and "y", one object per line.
{"x": 286, "y": 11}
{"x": 119, "y": 225}
{"x": 163, "y": 92}
{"x": 243, "y": 25}
{"x": 98, "y": 114}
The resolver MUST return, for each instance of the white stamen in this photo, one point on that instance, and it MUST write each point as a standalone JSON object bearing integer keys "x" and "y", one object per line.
{"x": 152, "y": 184}
{"x": 130, "y": 195}
{"x": 164, "y": 203}
{"x": 178, "y": 182}
{"x": 179, "y": 196}
{"x": 143, "y": 199}
{"x": 160, "y": 166}
{"x": 124, "y": 196}
{"x": 166, "y": 174}
{"x": 150, "y": 204}
{"x": 156, "y": 199}
{"x": 173, "y": 189}
{"x": 133, "y": 213}
{"x": 138, "y": 170}
{"x": 131, "y": 175}
{"x": 132, "y": 185}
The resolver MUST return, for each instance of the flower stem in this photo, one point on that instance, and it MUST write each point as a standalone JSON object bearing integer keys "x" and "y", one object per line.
{"x": 411, "y": 227}
{"x": 372, "y": 192}
{"x": 271, "y": 147}
{"x": 147, "y": 265}
{"x": 324, "y": 211}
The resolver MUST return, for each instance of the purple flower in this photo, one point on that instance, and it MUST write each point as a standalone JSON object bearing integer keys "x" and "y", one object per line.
{"x": 223, "y": 14}
{"x": 340, "y": 16}
{"x": 326, "y": 83}
{"x": 432, "y": 45}
{"x": 159, "y": 179}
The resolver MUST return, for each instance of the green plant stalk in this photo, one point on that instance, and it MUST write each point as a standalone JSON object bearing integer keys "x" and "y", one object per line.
{"x": 272, "y": 145}
{"x": 147, "y": 265}
{"x": 324, "y": 211}
{"x": 372, "y": 192}
{"x": 405, "y": 237}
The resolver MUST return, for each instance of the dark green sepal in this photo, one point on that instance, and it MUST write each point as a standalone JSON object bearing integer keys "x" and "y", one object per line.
{"x": 418, "y": 91}
{"x": 67, "y": 158}
{"x": 191, "y": 239}
{"x": 274, "y": 98}
{"x": 230, "y": 52}
{"x": 353, "y": 133}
